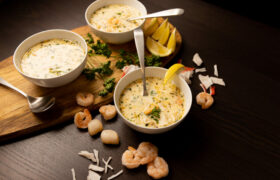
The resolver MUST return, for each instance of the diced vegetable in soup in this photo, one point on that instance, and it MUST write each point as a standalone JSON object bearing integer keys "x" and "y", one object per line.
{"x": 113, "y": 18}
{"x": 52, "y": 58}
{"x": 164, "y": 105}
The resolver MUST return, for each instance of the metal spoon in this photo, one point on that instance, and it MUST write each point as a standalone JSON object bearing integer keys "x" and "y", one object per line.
{"x": 36, "y": 104}
{"x": 139, "y": 42}
{"x": 169, "y": 12}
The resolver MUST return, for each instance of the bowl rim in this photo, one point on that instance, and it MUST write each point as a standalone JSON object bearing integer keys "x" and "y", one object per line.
{"x": 160, "y": 128}
{"x": 42, "y": 32}
{"x": 113, "y": 33}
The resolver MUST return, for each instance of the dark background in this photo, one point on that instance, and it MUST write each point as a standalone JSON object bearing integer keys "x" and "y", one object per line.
{"x": 238, "y": 138}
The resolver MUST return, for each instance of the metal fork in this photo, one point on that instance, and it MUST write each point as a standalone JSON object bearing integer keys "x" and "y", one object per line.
{"x": 139, "y": 42}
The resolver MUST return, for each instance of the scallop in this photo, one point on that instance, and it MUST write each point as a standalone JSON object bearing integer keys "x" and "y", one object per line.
{"x": 110, "y": 137}
{"x": 95, "y": 126}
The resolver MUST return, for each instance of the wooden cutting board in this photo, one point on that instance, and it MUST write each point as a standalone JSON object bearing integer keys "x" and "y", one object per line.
{"x": 15, "y": 117}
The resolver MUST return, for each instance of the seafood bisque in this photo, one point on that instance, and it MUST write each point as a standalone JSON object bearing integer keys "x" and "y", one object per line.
{"x": 52, "y": 58}
{"x": 113, "y": 18}
{"x": 163, "y": 106}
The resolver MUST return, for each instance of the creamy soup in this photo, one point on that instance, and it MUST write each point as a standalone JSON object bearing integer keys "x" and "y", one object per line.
{"x": 113, "y": 18}
{"x": 52, "y": 58}
{"x": 162, "y": 107}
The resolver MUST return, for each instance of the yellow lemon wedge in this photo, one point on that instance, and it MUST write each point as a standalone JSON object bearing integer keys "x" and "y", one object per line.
{"x": 156, "y": 48}
{"x": 151, "y": 27}
{"x": 172, "y": 71}
{"x": 160, "y": 30}
{"x": 165, "y": 34}
{"x": 172, "y": 41}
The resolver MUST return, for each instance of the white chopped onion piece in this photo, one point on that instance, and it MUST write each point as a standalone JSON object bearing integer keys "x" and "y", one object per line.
{"x": 87, "y": 155}
{"x": 197, "y": 60}
{"x": 96, "y": 156}
{"x": 216, "y": 70}
{"x": 200, "y": 70}
{"x": 106, "y": 164}
{"x": 115, "y": 175}
{"x": 218, "y": 81}
{"x": 73, "y": 173}
{"x": 110, "y": 167}
{"x": 93, "y": 175}
{"x": 95, "y": 168}
{"x": 205, "y": 80}
{"x": 186, "y": 75}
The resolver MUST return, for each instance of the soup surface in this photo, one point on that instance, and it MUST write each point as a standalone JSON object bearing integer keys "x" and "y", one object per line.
{"x": 52, "y": 58}
{"x": 163, "y": 106}
{"x": 113, "y": 18}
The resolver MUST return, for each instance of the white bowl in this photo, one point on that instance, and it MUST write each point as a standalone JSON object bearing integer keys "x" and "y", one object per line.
{"x": 46, "y": 35}
{"x": 113, "y": 37}
{"x": 152, "y": 72}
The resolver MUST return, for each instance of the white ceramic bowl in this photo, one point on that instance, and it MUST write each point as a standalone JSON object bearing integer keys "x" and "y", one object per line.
{"x": 113, "y": 37}
{"x": 46, "y": 35}
{"x": 152, "y": 72}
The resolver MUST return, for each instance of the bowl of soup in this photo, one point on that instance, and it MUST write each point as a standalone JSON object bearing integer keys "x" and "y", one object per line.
{"x": 108, "y": 19}
{"x": 51, "y": 58}
{"x": 164, "y": 108}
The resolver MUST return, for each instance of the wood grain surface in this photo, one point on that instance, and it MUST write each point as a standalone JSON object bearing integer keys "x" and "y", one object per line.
{"x": 16, "y": 119}
{"x": 238, "y": 138}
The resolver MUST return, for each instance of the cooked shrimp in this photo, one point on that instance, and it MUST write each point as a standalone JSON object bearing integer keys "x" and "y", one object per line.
{"x": 147, "y": 152}
{"x": 129, "y": 158}
{"x": 108, "y": 111}
{"x": 204, "y": 99}
{"x": 84, "y": 98}
{"x": 158, "y": 168}
{"x": 82, "y": 119}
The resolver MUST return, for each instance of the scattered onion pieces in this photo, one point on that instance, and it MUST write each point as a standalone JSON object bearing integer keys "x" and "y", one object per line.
{"x": 200, "y": 70}
{"x": 218, "y": 81}
{"x": 197, "y": 60}
{"x": 73, "y": 173}
{"x": 216, "y": 70}
{"x": 115, "y": 175}
{"x": 205, "y": 80}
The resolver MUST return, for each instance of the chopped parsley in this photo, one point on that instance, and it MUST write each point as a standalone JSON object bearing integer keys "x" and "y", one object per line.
{"x": 155, "y": 114}
{"x": 103, "y": 70}
{"x": 127, "y": 58}
{"x": 109, "y": 85}
{"x": 99, "y": 48}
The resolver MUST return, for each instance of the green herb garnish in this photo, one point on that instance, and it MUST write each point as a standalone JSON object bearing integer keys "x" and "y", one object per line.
{"x": 155, "y": 114}
{"x": 101, "y": 49}
{"x": 103, "y": 70}
{"x": 90, "y": 39}
{"x": 152, "y": 60}
{"x": 109, "y": 85}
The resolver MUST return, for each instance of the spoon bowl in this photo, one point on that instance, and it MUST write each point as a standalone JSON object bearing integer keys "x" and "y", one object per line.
{"x": 36, "y": 104}
{"x": 40, "y": 104}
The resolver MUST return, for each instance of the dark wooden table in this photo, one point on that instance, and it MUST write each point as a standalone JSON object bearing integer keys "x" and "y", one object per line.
{"x": 238, "y": 138}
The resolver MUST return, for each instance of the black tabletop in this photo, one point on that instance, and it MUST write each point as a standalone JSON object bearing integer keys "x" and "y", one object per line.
{"x": 237, "y": 138}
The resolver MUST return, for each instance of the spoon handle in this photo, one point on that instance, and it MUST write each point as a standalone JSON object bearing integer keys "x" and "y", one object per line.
{"x": 5, "y": 83}
{"x": 139, "y": 42}
{"x": 169, "y": 12}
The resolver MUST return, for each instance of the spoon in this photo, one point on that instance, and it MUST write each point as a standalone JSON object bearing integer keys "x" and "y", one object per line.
{"x": 169, "y": 12}
{"x": 139, "y": 42}
{"x": 36, "y": 104}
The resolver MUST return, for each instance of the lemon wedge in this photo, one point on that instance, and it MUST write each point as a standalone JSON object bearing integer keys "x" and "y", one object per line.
{"x": 151, "y": 27}
{"x": 156, "y": 48}
{"x": 172, "y": 71}
{"x": 172, "y": 41}
{"x": 165, "y": 34}
{"x": 160, "y": 30}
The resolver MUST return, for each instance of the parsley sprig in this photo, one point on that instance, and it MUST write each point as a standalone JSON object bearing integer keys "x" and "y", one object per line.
{"x": 127, "y": 58}
{"x": 109, "y": 85}
{"x": 103, "y": 70}
{"x": 98, "y": 47}
{"x": 155, "y": 114}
